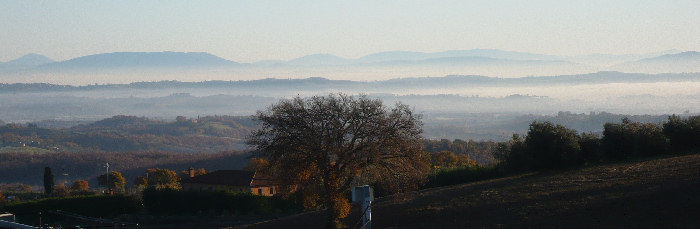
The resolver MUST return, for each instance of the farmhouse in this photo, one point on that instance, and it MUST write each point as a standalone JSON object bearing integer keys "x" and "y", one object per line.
{"x": 229, "y": 180}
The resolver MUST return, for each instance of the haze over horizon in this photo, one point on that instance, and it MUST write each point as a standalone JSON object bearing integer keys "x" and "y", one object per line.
{"x": 650, "y": 47}
{"x": 250, "y": 31}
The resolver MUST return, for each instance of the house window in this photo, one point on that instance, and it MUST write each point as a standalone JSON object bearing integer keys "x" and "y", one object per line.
{"x": 272, "y": 190}
{"x": 260, "y": 191}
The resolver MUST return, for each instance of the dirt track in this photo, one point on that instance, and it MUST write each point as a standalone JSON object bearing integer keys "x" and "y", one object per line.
{"x": 662, "y": 193}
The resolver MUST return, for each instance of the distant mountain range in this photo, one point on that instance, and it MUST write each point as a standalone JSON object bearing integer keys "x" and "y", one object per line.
{"x": 318, "y": 60}
{"x": 684, "y": 56}
{"x": 143, "y": 59}
{"x": 406, "y": 57}
{"x": 383, "y": 65}
{"x": 489, "y": 53}
{"x": 680, "y": 62}
{"x": 170, "y": 59}
{"x": 27, "y": 61}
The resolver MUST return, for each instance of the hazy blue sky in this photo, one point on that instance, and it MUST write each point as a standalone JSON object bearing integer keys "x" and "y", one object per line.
{"x": 247, "y": 31}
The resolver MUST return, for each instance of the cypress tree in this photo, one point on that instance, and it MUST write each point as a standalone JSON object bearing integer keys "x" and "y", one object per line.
{"x": 48, "y": 181}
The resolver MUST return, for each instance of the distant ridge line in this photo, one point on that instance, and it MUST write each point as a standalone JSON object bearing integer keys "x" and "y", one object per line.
{"x": 413, "y": 82}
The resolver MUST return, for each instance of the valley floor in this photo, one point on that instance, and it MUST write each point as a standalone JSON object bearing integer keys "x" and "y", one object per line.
{"x": 655, "y": 193}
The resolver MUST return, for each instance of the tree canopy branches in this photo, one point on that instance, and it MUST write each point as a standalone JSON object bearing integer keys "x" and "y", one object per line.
{"x": 325, "y": 144}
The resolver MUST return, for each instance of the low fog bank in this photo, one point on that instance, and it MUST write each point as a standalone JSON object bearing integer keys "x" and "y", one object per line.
{"x": 356, "y": 73}
{"x": 32, "y": 107}
{"x": 445, "y": 116}
{"x": 472, "y": 107}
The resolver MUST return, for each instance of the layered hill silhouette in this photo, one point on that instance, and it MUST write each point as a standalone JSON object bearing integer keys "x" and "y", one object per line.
{"x": 453, "y": 57}
{"x": 142, "y": 60}
{"x": 27, "y": 61}
{"x": 318, "y": 60}
{"x": 473, "y": 56}
{"x": 489, "y": 53}
{"x": 124, "y": 67}
{"x": 318, "y": 83}
{"x": 670, "y": 63}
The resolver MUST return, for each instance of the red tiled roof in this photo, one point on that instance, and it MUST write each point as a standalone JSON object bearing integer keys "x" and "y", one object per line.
{"x": 223, "y": 177}
{"x": 260, "y": 182}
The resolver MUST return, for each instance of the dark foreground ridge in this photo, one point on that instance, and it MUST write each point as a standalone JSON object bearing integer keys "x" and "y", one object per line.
{"x": 658, "y": 193}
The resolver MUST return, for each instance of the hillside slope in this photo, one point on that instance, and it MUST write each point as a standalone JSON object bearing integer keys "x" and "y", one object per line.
{"x": 661, "y": 193}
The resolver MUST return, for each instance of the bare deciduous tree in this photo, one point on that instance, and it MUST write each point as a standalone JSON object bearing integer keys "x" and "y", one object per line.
{"x": 323, "y": 145}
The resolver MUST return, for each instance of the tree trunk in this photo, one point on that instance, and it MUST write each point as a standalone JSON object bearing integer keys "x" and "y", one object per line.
{"x": 332, "y": 220}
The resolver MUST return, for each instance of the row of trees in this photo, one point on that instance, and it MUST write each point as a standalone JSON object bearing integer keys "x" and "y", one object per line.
{"x": 480, "y": 151}
{"x": 115, "y": 181}
{"x": 154, "y": 178}
{"x": 549, "y": 146}
{"x": 28, "y": 168}
{"x": 50, "y": 188}
{"x": 448, "y": 159}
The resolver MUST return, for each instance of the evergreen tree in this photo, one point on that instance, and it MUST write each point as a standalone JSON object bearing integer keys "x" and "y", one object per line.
{"x": 48, "y": 181}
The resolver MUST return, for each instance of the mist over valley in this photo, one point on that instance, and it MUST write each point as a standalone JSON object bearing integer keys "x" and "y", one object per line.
{"x": 458, "y": 97}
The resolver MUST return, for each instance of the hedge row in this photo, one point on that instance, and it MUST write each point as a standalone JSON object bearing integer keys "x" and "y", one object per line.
{"x": 176, "y": 202}
{"x": 94, "y": 206}
{"x": 459, "y": 175}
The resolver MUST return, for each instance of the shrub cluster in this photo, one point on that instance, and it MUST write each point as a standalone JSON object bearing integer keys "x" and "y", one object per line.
{"x": 548, "y": 146}
{"x": 683, "y": 134}
{"x": 632, "y": 140}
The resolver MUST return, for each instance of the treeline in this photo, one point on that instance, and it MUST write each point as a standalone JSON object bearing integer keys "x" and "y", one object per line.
{"x": 70, "y": 166}
{"x": 130, "y": 133}
{"x": 551, "y": 146}
{"x": 500, "y": 126}
{"x": 480, "y": 151}
{"x": 590, "y": 122}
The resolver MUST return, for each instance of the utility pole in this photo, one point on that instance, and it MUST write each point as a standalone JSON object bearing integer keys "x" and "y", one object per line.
{"x": 107, "y": 182}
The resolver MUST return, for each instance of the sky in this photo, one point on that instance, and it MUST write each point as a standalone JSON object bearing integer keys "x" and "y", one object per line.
{"x": 249, "y": 31}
